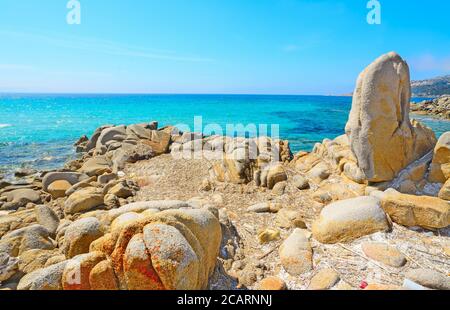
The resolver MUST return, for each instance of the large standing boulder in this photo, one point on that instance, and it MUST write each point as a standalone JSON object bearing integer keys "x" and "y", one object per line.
{"x": 382, "y": 137}
{"x": 350, "y": 219}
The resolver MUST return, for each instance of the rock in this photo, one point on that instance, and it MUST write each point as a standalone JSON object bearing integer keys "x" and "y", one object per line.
{"x": 111, "y": 201}
{"x": 70, "y": 177}
{"x": 117, "y": 133}
{"x": 279, "y": 188}
{"x": 324, "y": 280}
{"x": 131, "y": 153}
{"x": 93, "y": 141}
{"x": 139, "y": 132}
{"x": 27, "y": 238}
{"x": 58, "y": 188}
{"x": 96, "y": 166}
{"x": 268, "y": 235}
{"x": 178, "y": 255}
{"x": 48, "y": 278}
{"x": 77, "y": 271}
{"x": 159, "y": 142}
{"x": 80, "y": 234}
{"x": 350, "y": 219}
{"x": 83, "y": 200}
{"x": 287, "y": 218}
{"x": 384, "y": 253}
{"x": 272, "y": 284}
{"x": 410, "y": 210}
{"x": 382, "y": 287}
{"x": 47, "y": 218}
{"x": 19, "y": 198}
{"x": 265, "y": 207}
{"x": 382, "y": 137}
{"x": 106, "y": 178}
{"x": 319, "y": 172}
{"x": 429, "y": 278}
{"x": 275, "y": 174}
{"x": 444, "y": 193}
{"x": 440, "y": 166}
{"x": 35, "y": 259}
{"x": 121, "y": 190}
{"x": 9, "y": 223}
{"x": 8, "y": 266}
{"x": 23, "y": 172}
{"x": 296, "y": 253}
{"x": 300, "y": 182}
{"x": 102, "y": 277}
{"x": 82, "y": 184}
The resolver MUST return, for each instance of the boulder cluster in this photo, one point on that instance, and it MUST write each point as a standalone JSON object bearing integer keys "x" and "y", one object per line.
{"x": 91, "y": 225}
{"x": 439, "y": 107}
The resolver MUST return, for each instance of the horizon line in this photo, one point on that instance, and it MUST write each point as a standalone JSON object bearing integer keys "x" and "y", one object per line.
{"x": 168, "y": 94}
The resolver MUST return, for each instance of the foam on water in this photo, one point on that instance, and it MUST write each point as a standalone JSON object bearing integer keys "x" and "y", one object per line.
{"x": 5, "y": 125}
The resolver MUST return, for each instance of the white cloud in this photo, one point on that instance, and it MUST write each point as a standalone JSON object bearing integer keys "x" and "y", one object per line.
{"x": 106, "y": 47}
{"x": 429, "y": 62}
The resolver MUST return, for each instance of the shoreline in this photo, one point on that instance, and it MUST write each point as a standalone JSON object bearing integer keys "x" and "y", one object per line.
{"x": 8, "y": 174}
{"x": 150, "y": 208}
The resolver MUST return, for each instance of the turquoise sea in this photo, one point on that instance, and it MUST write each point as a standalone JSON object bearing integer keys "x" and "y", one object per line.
{"x": 38, "y": 131}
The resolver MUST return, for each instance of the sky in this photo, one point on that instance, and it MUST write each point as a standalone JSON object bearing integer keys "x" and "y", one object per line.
{"x": 214, "y": 46}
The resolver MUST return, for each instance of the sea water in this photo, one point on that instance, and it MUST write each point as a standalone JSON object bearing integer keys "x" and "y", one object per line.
{"x": 38, "y": 131}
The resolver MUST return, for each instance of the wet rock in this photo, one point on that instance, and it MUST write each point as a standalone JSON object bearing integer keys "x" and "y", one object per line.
{"x": 23, "y": 172}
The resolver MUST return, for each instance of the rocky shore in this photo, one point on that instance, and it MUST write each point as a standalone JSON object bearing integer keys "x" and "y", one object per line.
{"x": 148, "y": 208}
{"x": 439, "y": 107}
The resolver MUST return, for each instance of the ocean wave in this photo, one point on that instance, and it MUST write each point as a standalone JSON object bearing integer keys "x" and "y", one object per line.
{"x": 5, "y": 125}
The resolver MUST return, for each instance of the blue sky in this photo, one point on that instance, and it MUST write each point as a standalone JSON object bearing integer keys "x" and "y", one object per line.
{"x": 214, "y": 46}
